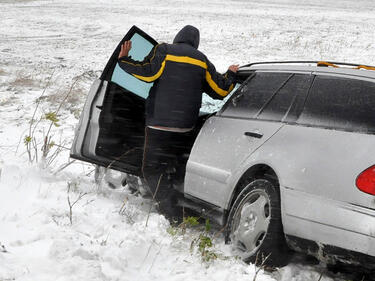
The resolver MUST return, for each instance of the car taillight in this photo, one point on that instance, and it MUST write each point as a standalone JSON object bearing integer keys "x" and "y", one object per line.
{"x": 366, "y": 181}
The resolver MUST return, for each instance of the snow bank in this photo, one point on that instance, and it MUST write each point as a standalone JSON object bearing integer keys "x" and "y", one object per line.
{"x": 102, "y": 243}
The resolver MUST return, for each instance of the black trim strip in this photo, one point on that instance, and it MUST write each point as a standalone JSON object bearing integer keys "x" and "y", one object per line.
{"x": 254, "y": 135}
{"x": 319, "y": 250}
{"x": 273, "y": 95}
{"x": 204, "y": 209}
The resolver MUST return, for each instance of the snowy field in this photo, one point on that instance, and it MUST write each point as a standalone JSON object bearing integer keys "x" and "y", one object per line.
{"x": 65, "y": 41}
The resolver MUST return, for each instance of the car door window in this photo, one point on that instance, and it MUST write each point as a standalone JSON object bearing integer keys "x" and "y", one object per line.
{"x": 248, "y": 101}
{"x": 281, "y": 102}
{"x": 340, "y": 103}
{"x": 141, "y": 47}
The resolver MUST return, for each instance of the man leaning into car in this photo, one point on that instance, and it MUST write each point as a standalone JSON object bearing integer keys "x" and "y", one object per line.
{"x": 180, "y": 74}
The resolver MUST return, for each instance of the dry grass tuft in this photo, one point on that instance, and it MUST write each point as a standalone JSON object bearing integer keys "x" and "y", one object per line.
{"x": 73, "y": 103}
{"x": 24, "y": 80}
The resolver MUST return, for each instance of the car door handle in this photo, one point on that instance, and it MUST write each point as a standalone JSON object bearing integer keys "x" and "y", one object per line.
{"x": 254, "y": 135}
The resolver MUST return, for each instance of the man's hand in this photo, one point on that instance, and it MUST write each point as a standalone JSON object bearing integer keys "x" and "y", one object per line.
{"x": 234, "y": 68}
{"x": 125, "y": 48}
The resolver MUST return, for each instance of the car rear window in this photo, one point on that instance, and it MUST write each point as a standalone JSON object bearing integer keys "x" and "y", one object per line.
{"x": 340, "y": 103}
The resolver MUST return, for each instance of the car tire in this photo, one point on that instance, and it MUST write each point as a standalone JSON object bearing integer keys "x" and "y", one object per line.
{"x": 254, "y": 225}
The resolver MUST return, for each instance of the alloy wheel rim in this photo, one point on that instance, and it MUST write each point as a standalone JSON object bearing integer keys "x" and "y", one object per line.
{"x": 250, "y": 223}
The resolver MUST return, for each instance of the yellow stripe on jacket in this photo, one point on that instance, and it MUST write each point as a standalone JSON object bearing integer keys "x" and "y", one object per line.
{"x": 188, "y": 60}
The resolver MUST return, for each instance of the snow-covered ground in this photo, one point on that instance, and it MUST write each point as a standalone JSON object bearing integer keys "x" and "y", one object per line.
{"x": 61, "y": 40}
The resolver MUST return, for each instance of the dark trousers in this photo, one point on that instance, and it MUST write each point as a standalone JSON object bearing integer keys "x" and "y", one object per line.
{"x": 164, "y": 161}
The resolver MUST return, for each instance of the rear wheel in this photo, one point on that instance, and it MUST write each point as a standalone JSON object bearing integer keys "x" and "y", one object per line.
{"x": 254, "y": 224}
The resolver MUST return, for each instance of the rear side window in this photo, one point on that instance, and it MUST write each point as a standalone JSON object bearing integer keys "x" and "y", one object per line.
{"x": 340, "y": 103}
{"x": 281, "y": 102}
{"x": 269, "y": 96}
{"x": 249, "y": 101}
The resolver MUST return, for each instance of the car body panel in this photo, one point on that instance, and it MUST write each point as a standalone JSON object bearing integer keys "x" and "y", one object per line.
{"x": 97, "y": 89}
{"x": 328, "y": 221}
{"x": 218, "y": 152}
{"x": 330, "y": 165}
{"x": 316, "y": 189}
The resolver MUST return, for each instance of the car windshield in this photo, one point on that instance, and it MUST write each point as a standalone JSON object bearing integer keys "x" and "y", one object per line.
{"x": 140, "y": 49}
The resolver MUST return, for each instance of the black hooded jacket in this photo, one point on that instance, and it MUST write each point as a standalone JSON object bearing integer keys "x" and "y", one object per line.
{"x": 180, "y": 74}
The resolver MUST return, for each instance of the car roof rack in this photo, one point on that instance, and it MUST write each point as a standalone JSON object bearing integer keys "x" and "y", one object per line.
{"x": 318, "y": 63}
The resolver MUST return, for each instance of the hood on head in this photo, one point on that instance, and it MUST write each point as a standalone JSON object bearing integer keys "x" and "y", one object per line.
{"x": 189, "y": 35}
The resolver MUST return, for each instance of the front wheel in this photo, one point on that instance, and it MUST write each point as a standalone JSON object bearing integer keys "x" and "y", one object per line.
{"x": 254, "y": 224}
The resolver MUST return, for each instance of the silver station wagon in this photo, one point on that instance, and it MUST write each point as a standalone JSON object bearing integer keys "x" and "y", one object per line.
{"x": 286, "y": 163}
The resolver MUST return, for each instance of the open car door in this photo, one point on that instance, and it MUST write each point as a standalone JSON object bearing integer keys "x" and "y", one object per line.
{"x": 111, "y": 127}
